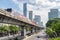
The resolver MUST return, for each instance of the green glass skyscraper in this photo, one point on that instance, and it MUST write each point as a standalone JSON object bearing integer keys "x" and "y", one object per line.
{"x": 25, "y": 9}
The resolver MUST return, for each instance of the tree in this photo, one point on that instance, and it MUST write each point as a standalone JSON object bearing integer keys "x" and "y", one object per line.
{"x": 54, "y": 24}
{"x": 54, "y": 20}
{"x": 1, "y": 29}
{"x": 50, "y": 32}
{"x": 13, "y": 28}
{"x": 56, "y": 27}
{"x": 28, "y": 28}
{"x": 6, "y": 28}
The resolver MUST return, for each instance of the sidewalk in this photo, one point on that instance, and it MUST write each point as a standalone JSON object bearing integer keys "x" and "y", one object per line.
{"x": 9, "y": 37}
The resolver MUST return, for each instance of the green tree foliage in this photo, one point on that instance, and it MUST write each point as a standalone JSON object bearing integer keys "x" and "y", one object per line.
{"x": 13, "y": 28}
{"x": 28, "y": 28}
{"x": 58, "y": 38}
{"x": 54, "y": 24}
{"x": 56, "y": 27}
{"x": 1, "y": 29}
{"x": 6, "y": 28}
{"x": 48, "y": 24}
{"x": 50, "y": 32}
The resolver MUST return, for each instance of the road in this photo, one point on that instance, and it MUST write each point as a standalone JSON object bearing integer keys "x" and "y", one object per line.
{"x": 41, "y": 34}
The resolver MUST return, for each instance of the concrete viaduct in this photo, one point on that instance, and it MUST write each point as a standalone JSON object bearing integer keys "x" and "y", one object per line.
{"x": 6, "y": 17}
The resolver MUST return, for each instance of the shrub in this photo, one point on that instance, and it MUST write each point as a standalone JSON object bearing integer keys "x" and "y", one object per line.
{"x": 58, "y": 38}
{"x": 13, "y": 29}
{"x": 50, "y": 32}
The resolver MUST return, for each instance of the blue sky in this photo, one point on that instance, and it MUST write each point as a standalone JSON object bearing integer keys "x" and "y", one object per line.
{"x": 39, "y": 7}
{"x": 9, "y": 4}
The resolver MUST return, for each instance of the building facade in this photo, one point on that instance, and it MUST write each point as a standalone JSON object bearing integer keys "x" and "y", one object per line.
{"x": 54, "y": 13}
{"x": 25, "y": 9}
{"x": 30, "y": 15}
{"x": 37, "y": 19}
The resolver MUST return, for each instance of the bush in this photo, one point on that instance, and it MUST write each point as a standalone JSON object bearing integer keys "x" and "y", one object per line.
{"x": 54, "y": 24}
{"x": 28, "y": 28}
{"x": 5, "y": 30}
{"x": 58, "y": 38}
{"x": 14, "y": 29}
{"x": 50, "y": 32}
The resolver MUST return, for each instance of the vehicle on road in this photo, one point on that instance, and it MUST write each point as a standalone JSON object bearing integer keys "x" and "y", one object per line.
{"x": 38, "y": 37}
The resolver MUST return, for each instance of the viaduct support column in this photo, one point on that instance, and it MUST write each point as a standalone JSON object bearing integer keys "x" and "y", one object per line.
{"x": 35, "y": 29}
{"x": 31, "y": 30}
{"x": 23, "y": 31}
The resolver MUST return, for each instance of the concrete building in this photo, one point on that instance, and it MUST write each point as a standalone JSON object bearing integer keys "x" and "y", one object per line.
{"x": 54, "y": 13}
{"x": 30, "y": 15}
{"x": 37, "y": 19}
{"x": 25, "y": 9}
{"x": 59, "y": 14}
{"x": 41, "y": 24}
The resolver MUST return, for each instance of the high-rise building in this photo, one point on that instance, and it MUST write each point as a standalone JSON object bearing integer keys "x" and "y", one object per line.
{"x": 41, "y": 24}
{"x": 25, "y": 9}
{"x": 54, "y": 13}
{"x": 37, "y": 19}
{"x": 30, "y": 15}
{"x": 59, "y": 14}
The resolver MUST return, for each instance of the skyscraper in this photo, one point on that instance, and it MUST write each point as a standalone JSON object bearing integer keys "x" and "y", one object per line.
{"x": 59, "y": 14}
{"x": 54, "y": 13}
{"x": 30, "y": 15}
{"x": 37, "y": 19}
{"x": 25, "y": 9}
{"x": 41, "y": 24}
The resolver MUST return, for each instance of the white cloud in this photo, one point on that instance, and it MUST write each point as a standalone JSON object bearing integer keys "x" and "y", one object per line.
{"x": 15, "y": 1}
{"x": 36, "y": 3}
{"x": 58, "y": 4}
{"x": 57, "y": 0}
{"x": 29, "y": 7}
{"x": 40, "y": 6}
{"x": 20, "y": 4}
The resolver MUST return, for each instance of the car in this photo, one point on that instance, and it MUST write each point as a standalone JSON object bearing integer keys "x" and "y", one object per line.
{"x": 38, "y": 36}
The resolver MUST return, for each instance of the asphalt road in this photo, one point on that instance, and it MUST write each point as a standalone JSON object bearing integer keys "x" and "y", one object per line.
{"x": 40, "y": 36}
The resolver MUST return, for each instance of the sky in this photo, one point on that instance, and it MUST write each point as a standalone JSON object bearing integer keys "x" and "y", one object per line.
{"x": 39, "y": 7}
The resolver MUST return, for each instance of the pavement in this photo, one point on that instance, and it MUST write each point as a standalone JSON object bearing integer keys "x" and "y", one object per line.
{"x": 9, "y": 37}
{"x": 39, "y": 36}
